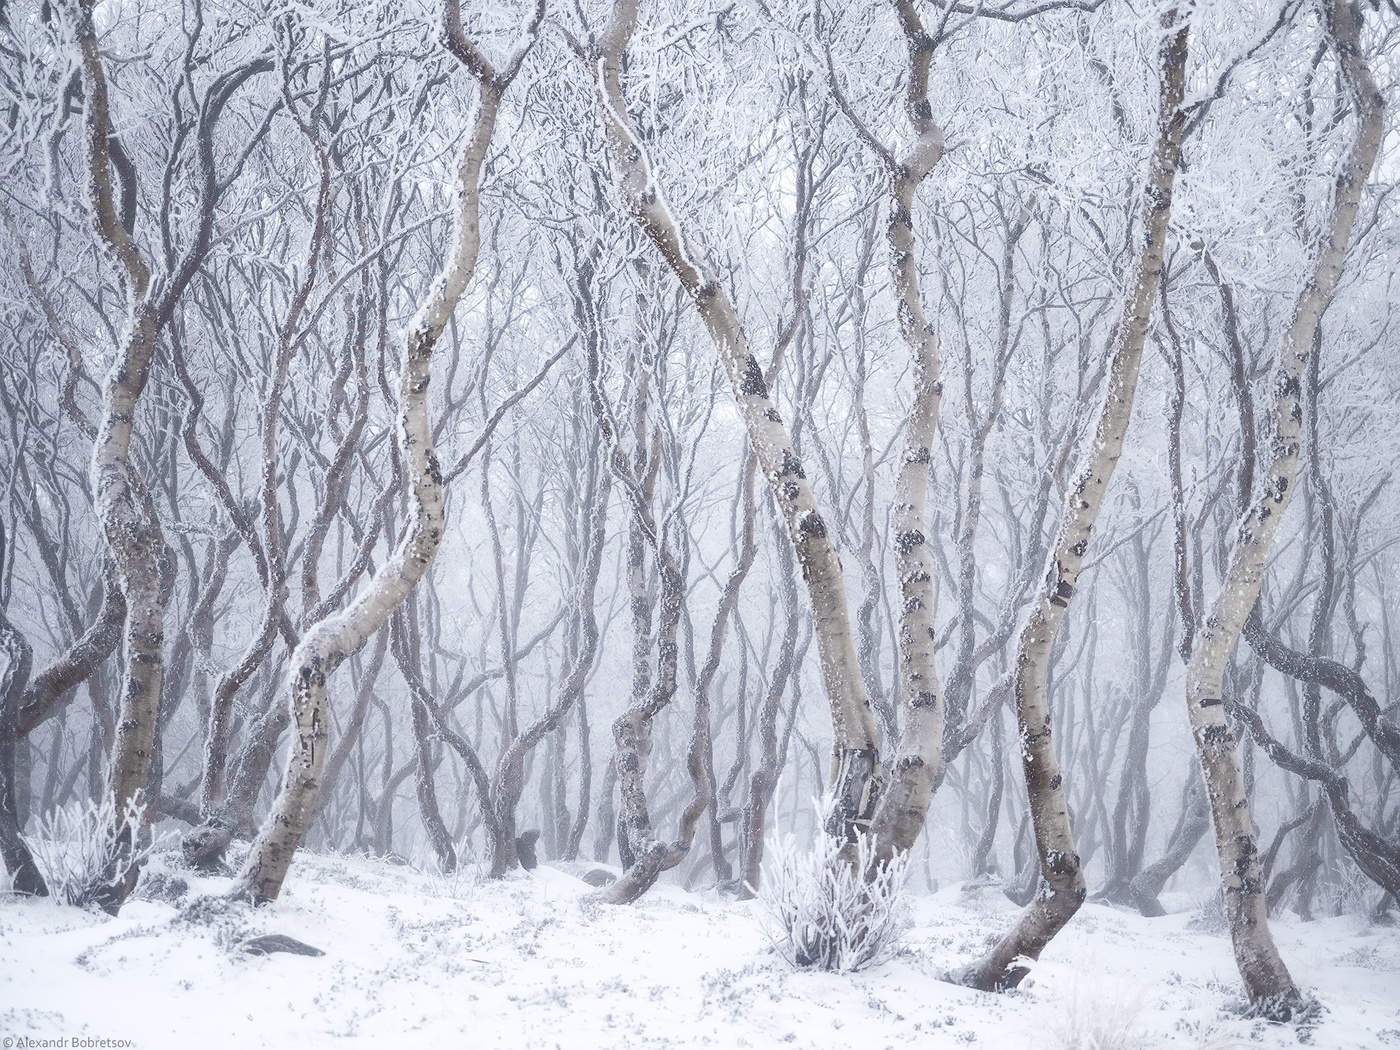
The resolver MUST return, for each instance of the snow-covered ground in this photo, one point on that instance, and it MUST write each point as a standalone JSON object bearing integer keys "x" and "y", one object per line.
{"x": 415, "y": 960}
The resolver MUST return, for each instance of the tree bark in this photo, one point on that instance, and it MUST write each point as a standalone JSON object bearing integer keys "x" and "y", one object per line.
{"x": 19, "y": 862}
{"x": 1064, "y": 889}
{"x": 124, "y": 510}
{"x": 903, "y": 807}
{"x": 856, "y": 737}
{"x": 1266, "y": 978}
{"x": 330, "y": 641}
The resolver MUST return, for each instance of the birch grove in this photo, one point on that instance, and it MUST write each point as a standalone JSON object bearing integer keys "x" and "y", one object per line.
{"x": 661, "y": 442}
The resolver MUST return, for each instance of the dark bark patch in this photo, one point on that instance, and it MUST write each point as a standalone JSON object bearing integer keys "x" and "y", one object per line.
{"x": 906, "y": 541}
{"x": 790, "y": 466}
{"x": 1216, "y": 737}
{"x": 751, "y": 382}
{"x": 525, "y": 849}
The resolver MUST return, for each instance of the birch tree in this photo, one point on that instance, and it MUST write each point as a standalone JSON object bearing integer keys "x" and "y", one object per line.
{"x": 124, "y": 508}
{"x": 1266, "y": 979}
{"x": 327, "y": 643}
{"x": 903, "y": 803}
{"x": 856, "y": 737}
{"x": 1064, "y": 887}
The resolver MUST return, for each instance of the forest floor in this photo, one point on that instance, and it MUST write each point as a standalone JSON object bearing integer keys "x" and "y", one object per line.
{"x": 416, "y": 960}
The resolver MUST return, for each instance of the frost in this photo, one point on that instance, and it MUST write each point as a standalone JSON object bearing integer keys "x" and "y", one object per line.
{"x": 84, "y": 848}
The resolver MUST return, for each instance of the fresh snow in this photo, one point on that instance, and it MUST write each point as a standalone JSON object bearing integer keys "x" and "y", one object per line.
{"x": 419, "y": 960}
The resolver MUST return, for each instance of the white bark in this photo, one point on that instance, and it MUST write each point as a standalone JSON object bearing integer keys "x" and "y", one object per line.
{"x": 1262, "y": 969}
{"x": 918, "y": 761}
{"x": 856, "y": 736}
{"x": 1064, "y": 888}
{"x": 129, "y": 524}
{"x": 334, "y": 638}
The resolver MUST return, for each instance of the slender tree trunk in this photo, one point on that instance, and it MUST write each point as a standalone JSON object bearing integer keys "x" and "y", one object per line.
{"x": 408, "y": 655}
{"x": 1266, "y": 978}
{"x": 1147, "y": 885}
{"x": 585, "y": 787}
{"x": 221, "y": 707}
{"x": 509, "y": 782}
{"x": 1060, "y": 866}
{"x": 124, "y": 510}
{"x": 856, "y": 737}
{"x": 899, "y": 817}
{"x": 330, "y": 641}
{"x": 43, "y": 695}
{"x": 14, "y": 649}
{"x": 763, "y": 781}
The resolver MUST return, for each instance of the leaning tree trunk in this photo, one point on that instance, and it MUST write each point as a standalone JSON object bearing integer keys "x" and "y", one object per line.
{"x": 856, "y": 756}
{"x": 14, "y": 649}
{"x": 124, "y": 510}
{"x": 1064, "y": 890}
{"x": 1266, "y": 979}
{"x": 1145, "y": 888}
{"x": 330, "y": 641}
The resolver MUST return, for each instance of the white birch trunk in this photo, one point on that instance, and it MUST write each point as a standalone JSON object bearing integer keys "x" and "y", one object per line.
{"x": 918, "y": 761}
{"x": 1265, "y": 976}
{"x": 331, "y": 640}
{"x": 129, "y": 524}
{"x": 856, "y": 735}
{"x": 1064, "y": 888}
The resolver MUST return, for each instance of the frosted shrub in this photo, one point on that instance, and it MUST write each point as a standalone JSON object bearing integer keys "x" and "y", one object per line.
{"x": 83, "y": 848}
{"x": 1097, "y": 1017}
{"x": 463, "y": 882}
{"x": 823, "y": 914}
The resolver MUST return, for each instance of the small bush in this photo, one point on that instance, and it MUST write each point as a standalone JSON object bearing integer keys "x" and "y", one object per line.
{"x": 461, "y": 883}
{"x": 1097, "y": 1018}
{"x": 84, "y": 848}
{"x": 824, "y": 914}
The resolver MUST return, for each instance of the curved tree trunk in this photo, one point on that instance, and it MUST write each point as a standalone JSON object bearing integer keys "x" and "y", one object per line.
{"x": 1064, "y": 888}
{"x": 404, "y": 638}
{"x": 1146, "y": 886}
{"x": 44, "y": 695}
{"x": 856, "y": 736}
{"x": 330, "y": 641}
{"x": 1266, "y": 979}
{"x": 124, "y": 510}
{"x": 763, "y": 781}
{"x": 900, "y": 814}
